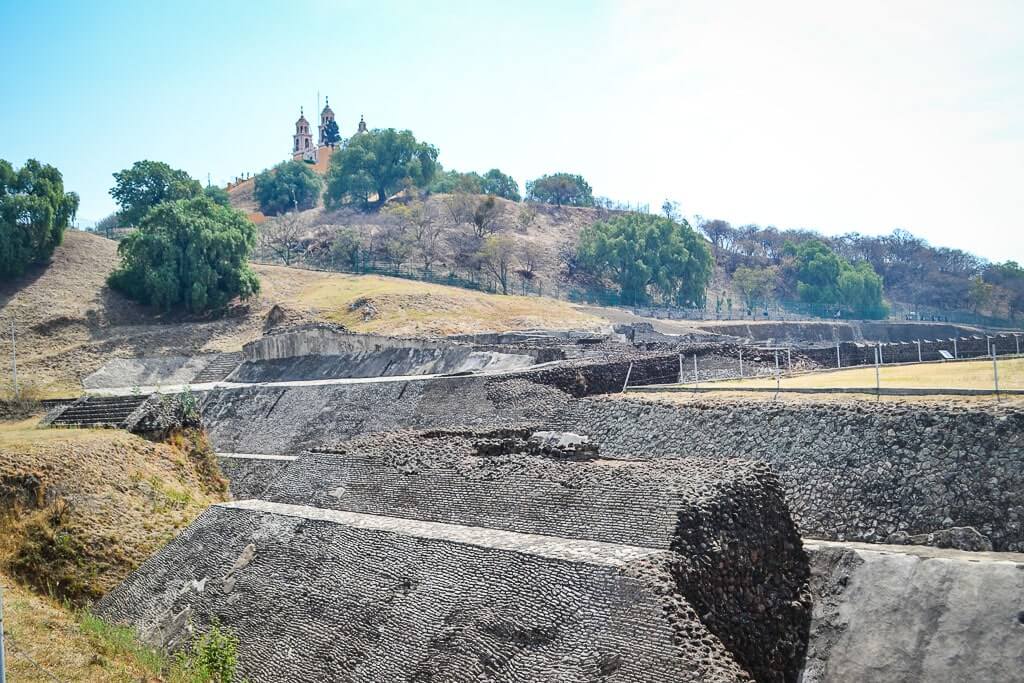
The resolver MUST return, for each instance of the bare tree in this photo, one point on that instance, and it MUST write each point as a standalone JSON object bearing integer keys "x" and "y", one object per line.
{"x": 497, "y": 257}
{"x": 283, "y": 235}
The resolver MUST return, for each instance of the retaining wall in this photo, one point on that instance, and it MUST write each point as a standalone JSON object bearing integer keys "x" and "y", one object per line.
{"x": 454, "y": 603}
{"x": 852, "y": 471}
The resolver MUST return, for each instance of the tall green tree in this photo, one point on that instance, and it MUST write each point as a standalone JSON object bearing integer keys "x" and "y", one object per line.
{"x": 755, "y": 285}
{"x": 332, "y": 135}
{"x": 450, "y": 182}
{"x": 34, "y": 212}
{"x": 289, "y": 186}
{"x": 218, "y": 195}
{"x": 189, "y": 254}
{"x": 824, "y": 277}
{"x": 147, "y": 184}
{"x": 817, "y": 272}
{"x": 379, "y": 163}
{"x": 561, "y": 189}
{"x": 648, "y": 255}
{"x": 500, "y": 185}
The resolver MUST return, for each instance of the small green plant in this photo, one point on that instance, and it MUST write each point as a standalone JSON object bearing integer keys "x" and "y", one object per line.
{"x": 212, "y": 658}
{"x": 136, "y": 390}
{"x": 189, "y": 405}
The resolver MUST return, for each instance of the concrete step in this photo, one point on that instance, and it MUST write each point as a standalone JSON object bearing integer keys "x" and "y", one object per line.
{"x": 219, "y": 368}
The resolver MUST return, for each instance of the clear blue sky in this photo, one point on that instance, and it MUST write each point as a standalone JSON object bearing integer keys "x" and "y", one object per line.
{"x": 836, "y": 116}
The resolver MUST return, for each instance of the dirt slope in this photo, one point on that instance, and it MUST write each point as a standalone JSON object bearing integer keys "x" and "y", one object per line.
{"x": 69, "y": 322}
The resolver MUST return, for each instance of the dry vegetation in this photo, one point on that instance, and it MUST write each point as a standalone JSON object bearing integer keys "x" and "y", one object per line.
{"x": 79, "y": 509}
{"x": 954, "y": 375}
{"x": 69, "y": 322}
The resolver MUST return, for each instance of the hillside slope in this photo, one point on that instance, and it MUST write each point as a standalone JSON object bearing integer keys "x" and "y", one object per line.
{"x": 69, "y": 322}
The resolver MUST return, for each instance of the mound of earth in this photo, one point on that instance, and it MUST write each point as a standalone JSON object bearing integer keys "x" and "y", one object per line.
{"x": 80, "y": 509}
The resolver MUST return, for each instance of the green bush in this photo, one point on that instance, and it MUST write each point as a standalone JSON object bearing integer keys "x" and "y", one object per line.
{"x": 289, "y": 186}
{"x": 647, "y": 256}
{"x": 190, "y": 254}
{"x": 34, "y": 212}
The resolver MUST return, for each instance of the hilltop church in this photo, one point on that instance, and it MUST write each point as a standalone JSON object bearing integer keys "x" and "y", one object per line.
{"x": 319, "y": 155}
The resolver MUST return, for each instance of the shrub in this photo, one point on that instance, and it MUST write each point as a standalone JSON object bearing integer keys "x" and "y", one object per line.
{"x": 34, "y": 212}
{"x": 289, "y": 186}
{"x": 190, "y": 254}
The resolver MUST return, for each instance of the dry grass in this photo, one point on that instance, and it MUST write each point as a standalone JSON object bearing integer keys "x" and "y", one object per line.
{"x": 53, "y": 637}
{"x": 70, "y": 323}
{"x": 83, "y": 508}
{"x": 409, "y": 308}
{"x": 954, "y": 375}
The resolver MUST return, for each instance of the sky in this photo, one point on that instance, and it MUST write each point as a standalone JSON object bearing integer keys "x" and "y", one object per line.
{"x": 836, "y": 116}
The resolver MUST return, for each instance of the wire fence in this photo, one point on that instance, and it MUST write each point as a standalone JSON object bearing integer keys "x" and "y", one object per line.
{"x": 793, "y": 370}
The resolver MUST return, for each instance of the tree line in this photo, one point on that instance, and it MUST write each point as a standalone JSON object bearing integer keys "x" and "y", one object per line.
{"x": 766, "y": 263}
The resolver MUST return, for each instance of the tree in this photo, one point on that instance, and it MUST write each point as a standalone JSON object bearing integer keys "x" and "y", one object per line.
{"x": 34, "y": 213}
{"x": 378, "y": 162}
{"x": 190, "y": 254}
{"x": 671, "y": 210}
{"x": 823, "y": 277}
{"x": 218, "y": 195}
{"x": 497, "y": 257}
{"x": 500, "y": 185}
{"x": 450, "y": 182}
{"x": 106, "y": 225}
{"x": 755, "y": 285}
{"x": 147, "y": 184}
{"x": 348, "y": 246}
{"x": 860, "y": 290}
{"x": 817, "y": 272}
{"x": 561, "y": 189}
{"x": 422, "y": 222}
{"x": 332, "y": 136}
{"x": 1008, "y": 277}
{"x": 282, "y": 236}
{"x": 289, "y": 186}
{"x": 641, "y": 253}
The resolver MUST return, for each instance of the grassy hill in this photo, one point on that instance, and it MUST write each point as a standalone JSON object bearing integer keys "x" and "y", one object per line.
{"x": 69, "y": 322}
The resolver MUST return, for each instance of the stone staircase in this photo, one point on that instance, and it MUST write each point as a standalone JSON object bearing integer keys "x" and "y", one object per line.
{"x": 219, "y": 368}
{"x": 99, "y": 411}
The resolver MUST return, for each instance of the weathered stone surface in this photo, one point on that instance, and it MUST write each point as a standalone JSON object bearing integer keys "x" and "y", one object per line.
{"x": 892, "y": 615}
{"x": 738, "y": 558}
{"x": 329, "y": 596}
{"x": 959, "y": 537}
{"x": 249, "y": 474}
{"x": 852, "y": 471}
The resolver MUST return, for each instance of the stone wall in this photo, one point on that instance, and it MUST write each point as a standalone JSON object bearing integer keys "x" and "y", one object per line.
{"x": 328, "y": 594}
{"x": 249, "y": 474}
{"x": 286, "y": 420}
{"x": 882, "y": 614}
{"x": 856, "y": 471}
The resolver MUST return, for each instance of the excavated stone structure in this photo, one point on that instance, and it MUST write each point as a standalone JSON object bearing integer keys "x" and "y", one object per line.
{"x": 467, "y": 556}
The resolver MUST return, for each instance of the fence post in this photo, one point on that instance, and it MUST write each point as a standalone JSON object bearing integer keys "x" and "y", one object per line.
{"x": 1016, "y": 338}
{"x": 741, "y": 362}
{"x": 995, "y": 371}
{"x": 776, "y": 361}
{"x": 680, "y": 368}
{"x": 918, "y": 350}
{"x": 878, "y": 379}
{"x": 694, "y": 371}
{"x": 628, "y": 373}
{"x": 956, "y": 354}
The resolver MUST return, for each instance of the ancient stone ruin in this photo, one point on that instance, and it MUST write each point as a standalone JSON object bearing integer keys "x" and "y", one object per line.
{"x": 509, "y": 523}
